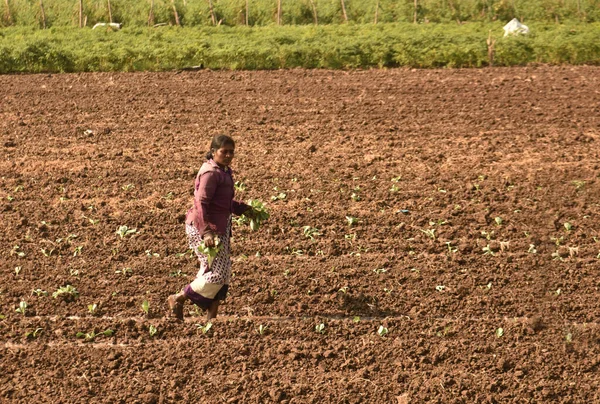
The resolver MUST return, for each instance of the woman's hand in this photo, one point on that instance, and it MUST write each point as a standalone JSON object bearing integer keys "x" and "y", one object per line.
{"x": 209, "y": 240}
{"x": 250, "y": 213}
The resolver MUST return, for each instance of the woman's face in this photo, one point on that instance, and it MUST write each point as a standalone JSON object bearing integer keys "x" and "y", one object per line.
{"x": 224, "y": 155}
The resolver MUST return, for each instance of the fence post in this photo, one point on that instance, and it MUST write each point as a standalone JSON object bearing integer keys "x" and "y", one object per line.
{"x": 8, "y": 15}
{"x": 344, "y": 11}
{"x": 80, "y": 13}
{"x": 415, "y": 15}
{"x": 278, "y": 12}
{"x": 212, "y": 12}
{"x": 151, "y": 14}
{"x": 490, "y": 45}
{"x": 314, "y": 8}
{"x": 43, "y": 14}
{"x": 175, "y": 13}
{"x": 109, "y": 12}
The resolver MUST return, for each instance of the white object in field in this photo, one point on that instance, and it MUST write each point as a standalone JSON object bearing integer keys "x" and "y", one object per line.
{"x": 108, "y": 24}
{"x": 514, "y": 27}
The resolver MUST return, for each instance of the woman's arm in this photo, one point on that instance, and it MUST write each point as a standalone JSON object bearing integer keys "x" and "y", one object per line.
{"x": 202, "y": 198}
{"x": 239, "y": 208}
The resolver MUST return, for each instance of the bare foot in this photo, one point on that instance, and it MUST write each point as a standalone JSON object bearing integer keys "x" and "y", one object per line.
{"x": 175, "y": 307}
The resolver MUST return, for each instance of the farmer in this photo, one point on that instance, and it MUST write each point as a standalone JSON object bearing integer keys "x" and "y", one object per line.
{"x": 209, "y": 222}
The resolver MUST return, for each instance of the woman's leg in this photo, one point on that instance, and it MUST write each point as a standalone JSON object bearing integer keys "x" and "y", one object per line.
{"x": 212, "y": 310}
{"x": 176, "y": 304}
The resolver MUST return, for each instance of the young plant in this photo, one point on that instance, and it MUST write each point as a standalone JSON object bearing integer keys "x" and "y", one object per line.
{"x": 262, "y": 329}
{"x": 568, "y": 226}
{"x": 430, "y": 233}
{"x": 152, "y": 330}
{"x": 382, "y": 331}
{"x": 146, "y": 307}
{"x": 177, "y": 274}
{"x": 498, "y": 220}
{"x": 350, "y": 237}
{"x": 124, "y": 271}
{"x": 34, "y": 334}
{"x": 68, "y": 292}
{"x": 296, "y": 251}
{"x": 320, "y": 328}
{"x": 17, "y": 271}
{"x": 488, "y": 235}
{"x": 487, "y": 250}
{"x": 124, "y": 231}
{"x": 310, "y": 232}
{"x": 47, "y": 252}
{"x": 90, "y": 336}
{"x": 39, "y": 292}
{"x": 351, "y": 220}
{"x": 556, "y": 256}
{"x": 22, "y": 309}
{"x": 92, "y": 221}
{"x": 279, "y": 197}
{"x": 150, "y": 254}
{"x": 204, "y": 328}
{"x": 92, "y": 308}
{"x": 450, "y": 248}
{"x": 499, "y": 332}
{"x": 239, "y": 186}
{"x": 17, "y": 250}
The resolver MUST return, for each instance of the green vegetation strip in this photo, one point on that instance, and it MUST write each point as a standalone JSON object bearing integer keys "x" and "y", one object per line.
{"x": 31, "y": 50}
{"x": 54, "y": 13}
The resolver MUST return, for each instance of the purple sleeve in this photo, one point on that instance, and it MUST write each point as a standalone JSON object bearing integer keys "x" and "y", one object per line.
{"x": 202, "y": 198}
{"x": 239, "y": 207}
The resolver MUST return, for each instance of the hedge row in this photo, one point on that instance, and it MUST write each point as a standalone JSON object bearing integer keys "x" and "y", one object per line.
{"x": 333, "y": 47}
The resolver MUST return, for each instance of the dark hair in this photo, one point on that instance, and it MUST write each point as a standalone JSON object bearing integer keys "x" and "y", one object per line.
{"x": 217, "y": 142}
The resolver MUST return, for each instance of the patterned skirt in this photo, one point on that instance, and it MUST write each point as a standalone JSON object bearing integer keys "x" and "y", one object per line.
{"x": 211, "y": 283}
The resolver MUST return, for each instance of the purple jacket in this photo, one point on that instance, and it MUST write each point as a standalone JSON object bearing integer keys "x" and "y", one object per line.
{"x": 213, "y": 200}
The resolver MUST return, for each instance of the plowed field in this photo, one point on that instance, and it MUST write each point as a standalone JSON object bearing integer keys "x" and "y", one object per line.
{"x": 434, "y": 237}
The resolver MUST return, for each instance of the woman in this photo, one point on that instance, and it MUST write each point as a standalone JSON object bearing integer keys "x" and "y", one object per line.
{"x": 208, "y": 219}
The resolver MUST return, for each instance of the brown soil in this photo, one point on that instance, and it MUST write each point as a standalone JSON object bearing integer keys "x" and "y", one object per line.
{"x": 477, "y": 309}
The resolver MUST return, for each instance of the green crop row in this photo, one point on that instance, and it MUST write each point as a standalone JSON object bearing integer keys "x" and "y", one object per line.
{"x": 334, "y": 47}
{"x": 49, "y": 13}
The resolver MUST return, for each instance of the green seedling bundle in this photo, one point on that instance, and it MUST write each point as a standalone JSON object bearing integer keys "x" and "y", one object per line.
{"x": 210, "y": 252}
{"x": 260, "y": 214}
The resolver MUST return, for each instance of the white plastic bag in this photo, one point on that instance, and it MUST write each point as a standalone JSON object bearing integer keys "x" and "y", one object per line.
{"x": 514, "y": 27}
